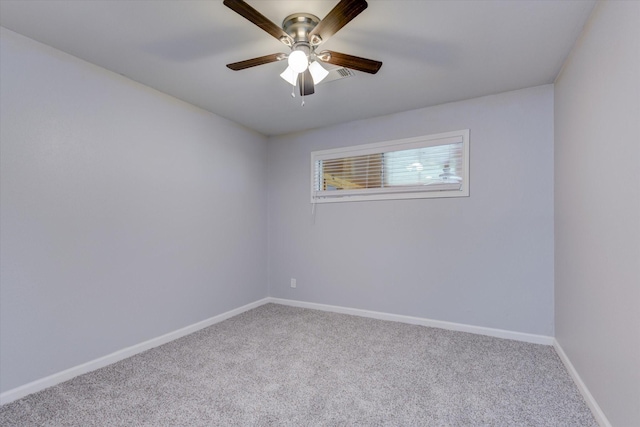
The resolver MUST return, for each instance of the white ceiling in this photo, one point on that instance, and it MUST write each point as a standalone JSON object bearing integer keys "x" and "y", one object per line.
{"x": 433, "y": 52}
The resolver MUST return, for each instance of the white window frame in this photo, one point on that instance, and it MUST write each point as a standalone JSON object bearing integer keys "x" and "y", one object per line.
{"x": 391, "y": 193}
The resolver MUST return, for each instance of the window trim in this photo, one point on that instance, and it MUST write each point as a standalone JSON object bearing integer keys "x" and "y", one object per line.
{"x": 391, "y": 193}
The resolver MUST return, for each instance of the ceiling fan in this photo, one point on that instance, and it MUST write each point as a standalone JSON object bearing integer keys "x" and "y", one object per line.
{"x": 303, "y": 33}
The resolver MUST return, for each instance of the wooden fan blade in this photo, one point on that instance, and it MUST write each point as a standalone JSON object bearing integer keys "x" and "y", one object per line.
{"x": 236, "y": 66}
{"x": 349, "y": 61}
{"x": 243, "y": 9}
{"x": 306, "y": 83}
{"x": 337, "y": 18}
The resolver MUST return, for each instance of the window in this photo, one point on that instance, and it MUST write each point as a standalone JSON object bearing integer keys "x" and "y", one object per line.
{"x": 421, "y": 167}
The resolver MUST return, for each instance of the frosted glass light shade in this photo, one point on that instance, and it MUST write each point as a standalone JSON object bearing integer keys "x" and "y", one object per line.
{"x": 298, "y": 61}
{"x": 290, "y": 76}
{"x": 317, "y": 72}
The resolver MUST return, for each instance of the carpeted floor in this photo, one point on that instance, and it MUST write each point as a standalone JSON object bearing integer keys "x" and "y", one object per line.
{"x": 285, "y": 366}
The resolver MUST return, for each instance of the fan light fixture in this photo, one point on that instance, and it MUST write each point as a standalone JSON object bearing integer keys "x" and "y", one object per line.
{"x": 298, "y": 61}
{"x": 318, "y": 73}
{"x": 289, "y": 76}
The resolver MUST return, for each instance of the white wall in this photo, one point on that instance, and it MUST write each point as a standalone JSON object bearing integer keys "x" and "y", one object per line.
{"x": 125, "y": 213}
{"x": 597, "y": 209}
{"x": 484, "y": 260}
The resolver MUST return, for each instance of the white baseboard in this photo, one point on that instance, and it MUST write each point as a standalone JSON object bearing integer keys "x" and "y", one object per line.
{"x": 586, "y": 394}
{"x": 480, "y": 330}
{"x": 51, "y": 380}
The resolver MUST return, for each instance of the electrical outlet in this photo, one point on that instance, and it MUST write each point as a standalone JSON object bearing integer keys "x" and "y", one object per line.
{"x": 293, "y": 283}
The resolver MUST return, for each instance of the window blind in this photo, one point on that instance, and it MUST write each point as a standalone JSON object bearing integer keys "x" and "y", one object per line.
{"x": 416, "y": 165}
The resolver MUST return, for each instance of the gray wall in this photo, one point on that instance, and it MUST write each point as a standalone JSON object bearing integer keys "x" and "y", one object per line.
{"x": 125, "y": 213}
{"x": 597, "y": 209}
{"x": 484, "y": 260}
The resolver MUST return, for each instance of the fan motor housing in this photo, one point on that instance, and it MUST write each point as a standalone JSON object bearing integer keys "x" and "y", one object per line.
{"x": 299, "y": 25}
